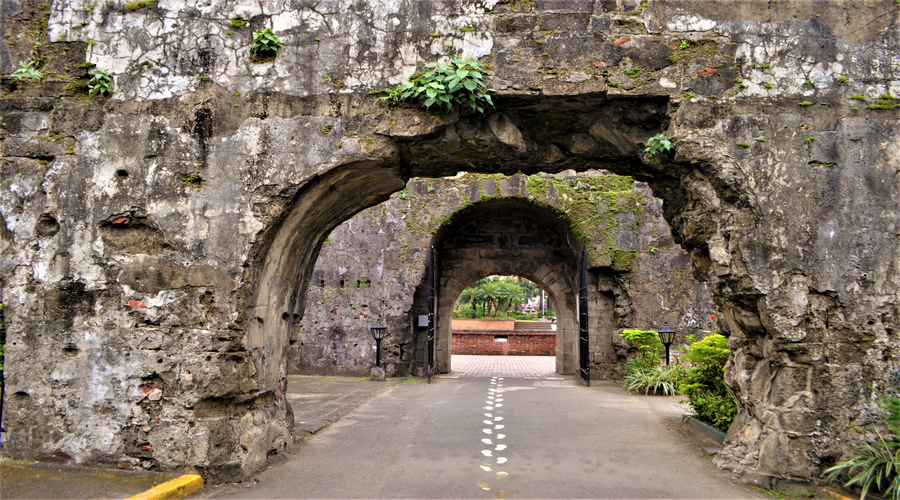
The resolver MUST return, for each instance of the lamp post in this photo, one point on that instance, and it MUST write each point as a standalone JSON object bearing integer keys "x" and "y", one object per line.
{"x": 666, "y": 336}
{"x": 378, "y": 333}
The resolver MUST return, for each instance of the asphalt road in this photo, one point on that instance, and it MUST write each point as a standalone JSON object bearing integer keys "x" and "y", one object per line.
{"x": 494, "y": 438}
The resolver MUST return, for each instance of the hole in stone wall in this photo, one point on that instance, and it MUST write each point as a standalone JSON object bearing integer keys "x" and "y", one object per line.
{"x": 285, "y": 316}
{"x": 70, "y": 350}
{"x": 122, "y": 173}
{"x": 321, "y": 282}
{"x": 47, "y": 226}
{"x": 133, "y": 232}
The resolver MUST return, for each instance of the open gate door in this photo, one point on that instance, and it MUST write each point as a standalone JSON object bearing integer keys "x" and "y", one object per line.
{"x": 583, "y": 339}
{"x": 431, "y": 317}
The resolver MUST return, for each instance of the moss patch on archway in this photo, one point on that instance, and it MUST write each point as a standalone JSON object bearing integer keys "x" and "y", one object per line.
{"x": 588, "y": 204}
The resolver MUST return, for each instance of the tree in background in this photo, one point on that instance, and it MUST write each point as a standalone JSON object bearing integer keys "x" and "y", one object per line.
{"x": 497, "y": 295}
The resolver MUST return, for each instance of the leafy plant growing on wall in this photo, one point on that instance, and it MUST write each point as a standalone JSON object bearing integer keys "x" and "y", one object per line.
{"x": 26, "y": 71}
{"x": 265, "y": 46}
{"x": 658, "y": 143}
{"x": 100, "y": 82}
{"x": 459, "y": 83}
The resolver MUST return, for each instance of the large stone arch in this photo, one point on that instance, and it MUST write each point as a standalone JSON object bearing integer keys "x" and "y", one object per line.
{"x": 789, "y": 211}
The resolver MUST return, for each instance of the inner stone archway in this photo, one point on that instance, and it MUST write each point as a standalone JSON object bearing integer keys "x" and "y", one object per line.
{"x": 509, "y": 237}
{"x": 373, "y": 265}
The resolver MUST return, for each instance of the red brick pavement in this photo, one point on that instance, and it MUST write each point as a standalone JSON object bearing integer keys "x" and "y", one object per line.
{"x": 502, "y": 366}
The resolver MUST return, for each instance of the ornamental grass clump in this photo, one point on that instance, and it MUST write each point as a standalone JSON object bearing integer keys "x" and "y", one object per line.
{"x": 875, "y": 465}
{"x": 644, "y": 373}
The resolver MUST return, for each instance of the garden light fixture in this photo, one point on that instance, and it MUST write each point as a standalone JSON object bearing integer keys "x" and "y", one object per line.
{"x": 378, "y": 333}
{"x": 667, "y": 337}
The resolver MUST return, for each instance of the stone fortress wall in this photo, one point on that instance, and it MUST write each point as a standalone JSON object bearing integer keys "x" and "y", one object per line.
{"x": 157, "y": 246}
{"x": 375, "y": 264}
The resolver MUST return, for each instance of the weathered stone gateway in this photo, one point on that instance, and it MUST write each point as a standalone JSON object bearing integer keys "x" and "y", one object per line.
{"x": 375, "y": 263}
{"x": 157, "y": 246}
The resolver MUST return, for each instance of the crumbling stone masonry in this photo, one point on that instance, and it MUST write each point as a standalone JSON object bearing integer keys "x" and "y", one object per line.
{"x": 157, "y": 246}
{"x": 534, "y": 226}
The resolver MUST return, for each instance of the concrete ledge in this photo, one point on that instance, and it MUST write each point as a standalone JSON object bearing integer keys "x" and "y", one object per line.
{"x": 179, "y": 487}
{"x": 705, "y": 429}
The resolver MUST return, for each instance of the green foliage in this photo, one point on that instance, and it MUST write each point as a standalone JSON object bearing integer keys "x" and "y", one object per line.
{"x": 239, "y": 22}
{"x": 684, "y": 45}
{"x": 459, "y": 83}
{"x": 781, "y": 495}
{"x": 885, "y": 101}
{"x": 875, "y": 465}
{"x": 658, "y": 143}
{"x": 654, "y": 379}
{"x": 806, "y": 103}
{"x": 194, "y": 181}
{"x": 139, "y": 4}
{"x": 100, "y": 83}
{"x": 858, "y": 97}
{"x": 648, "y": 347}
{"x": 760, "y": 139}
{"x": 704, "y": 382}
{"x": 26, "y": 71}
{"x": 768, "y": 85}
{"x": 765, "y": 66}
{"x": 743, "y": 144}
{"x": 807, "y": 138}
{"x": 842, "y": 80}
{"x": 265, "y": 45}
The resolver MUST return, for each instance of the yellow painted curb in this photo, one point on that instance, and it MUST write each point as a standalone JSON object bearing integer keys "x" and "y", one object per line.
{"x": 830, "y": 493}
{"x": 179, "y": 487}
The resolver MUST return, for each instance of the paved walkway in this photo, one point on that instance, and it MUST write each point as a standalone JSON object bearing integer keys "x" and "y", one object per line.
{"x": 501, "y": 366}
{"x": 499, "y": 437}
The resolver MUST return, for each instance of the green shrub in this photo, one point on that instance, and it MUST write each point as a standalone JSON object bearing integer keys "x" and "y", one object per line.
{"x": 238, "y": 22}
{"x": 265, "y": 45}
{"x": 704, "y": 382}
{"x": 460, "y": 83}
{"x": 875, "y": 464}
{"x": 100, "y": 82}
{"x": 648, "y": 347}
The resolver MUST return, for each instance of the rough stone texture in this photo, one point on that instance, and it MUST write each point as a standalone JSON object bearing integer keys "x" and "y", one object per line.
{"x": 226, "y": 198}
{"x": 374, "y": 265}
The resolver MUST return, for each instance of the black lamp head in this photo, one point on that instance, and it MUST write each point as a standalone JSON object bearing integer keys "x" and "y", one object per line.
{"x": 378, "y": 330}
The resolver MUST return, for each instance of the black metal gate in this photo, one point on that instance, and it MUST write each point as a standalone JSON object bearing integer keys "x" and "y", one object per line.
{"x": 430, "y": 314}
{"x": 583, "y": 340}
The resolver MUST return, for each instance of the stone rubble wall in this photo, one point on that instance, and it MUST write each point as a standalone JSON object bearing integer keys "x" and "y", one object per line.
{"x": 374, "y": 264}
{"x": 155, "y": 247}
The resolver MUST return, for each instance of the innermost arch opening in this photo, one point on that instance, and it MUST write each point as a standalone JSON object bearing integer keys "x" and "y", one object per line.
{"x": 503, "y": 326}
